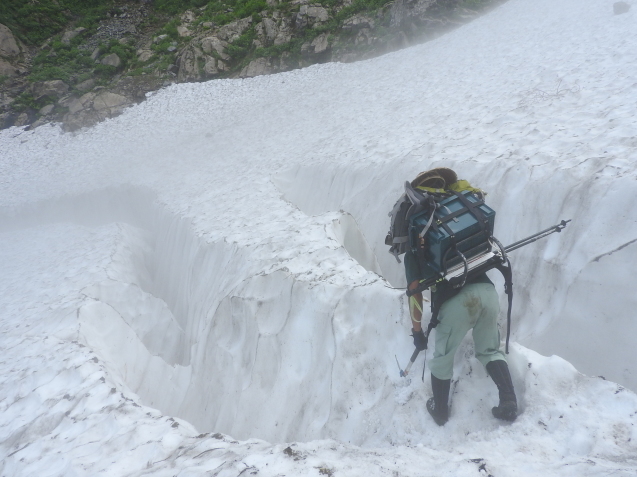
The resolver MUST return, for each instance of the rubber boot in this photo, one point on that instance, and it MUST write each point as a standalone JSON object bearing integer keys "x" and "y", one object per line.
{"x": 507, "y": 410}
{"x": 438, "y": 406}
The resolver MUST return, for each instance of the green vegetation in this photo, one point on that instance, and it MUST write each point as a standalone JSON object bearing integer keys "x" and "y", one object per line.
{"x": 178, "y": 6}
{"x": 27, "y": 101}
{"x": 277, "y": 50}
{"x": 35, "y": 21}
{"x": 242, "y": 45}
{"x": 164, "y": 62}
{"x": 224, "y": 13}
{"x": 72, "y": 64}
{"x": 170, "y": 29}
{"x": 61, "y": 62}
{"x": 125, "y": 52}
{"x": 162, "y": 45}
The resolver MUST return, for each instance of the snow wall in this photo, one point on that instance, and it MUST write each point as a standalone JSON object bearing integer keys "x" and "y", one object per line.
{"x": 210, "y": 332}
{"x": 572, "y": 292}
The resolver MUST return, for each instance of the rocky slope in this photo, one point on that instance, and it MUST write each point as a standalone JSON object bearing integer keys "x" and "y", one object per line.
{"x": 102, "y": 59}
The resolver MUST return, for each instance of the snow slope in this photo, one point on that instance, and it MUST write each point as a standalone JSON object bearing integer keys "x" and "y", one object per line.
{"x": 211, "y": 264}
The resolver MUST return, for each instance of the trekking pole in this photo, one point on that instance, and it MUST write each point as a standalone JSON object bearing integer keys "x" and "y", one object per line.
{"x": 532, "y": 238}
{"x": 488, "y": 265}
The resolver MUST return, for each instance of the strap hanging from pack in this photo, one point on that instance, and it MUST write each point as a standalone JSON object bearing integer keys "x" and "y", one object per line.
{"x": 507, "y": 273}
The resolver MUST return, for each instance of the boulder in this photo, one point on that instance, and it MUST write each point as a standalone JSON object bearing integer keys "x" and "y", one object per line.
{"x": 405, "y": 13}
{"x": 7, "y": 69}
{"x": 210, "y": 68}
{"x": 38, "y": 123}
{"x": 182, "y": 31}
{"x": 52, "y": 89}
{"x": 70, "y": 34}
{"x": 212, "y": 43}
{"x": 311, "y": 15}
{"x": 6, "y": 120}
{"x": 284, "y": 35}
{"x": 111, "y": 60}
{"x": 73, "y": 103}
{"x": 188, "y": 17}
{"x": 232, "y": 31}
{"x": 364, "y": 37}
{"x": 188, "y": 63}
{"x": 46, "y": 110}
{"x": 285, "y": 62}
{"x": 8, "y": 46}
{"x": 257, "y": 67}
{"x": 87, "y": 85}
{"x": 270, "y": 29}
{"x": 87, "y": 99}
{"x": 144, "y": 55}
{"x": 620, "y": 7}
{"x": 5, "y": 100}
{"x": 316, "y": 13}
{"x": 282, "y": 38}
{"x": 73, "y": 122}
{"x": 358, "y": 22}
{"x": 398, "y": 13}
{"x": 22, "y": 120}
{"x": 320, "y": 43}
{"x": 108, "y": 100}
{"x": 66, "y": 100}
{"x": 222, "y": 66}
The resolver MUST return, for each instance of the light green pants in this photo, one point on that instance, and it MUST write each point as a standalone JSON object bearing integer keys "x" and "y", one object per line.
{"x": 475, "y": 307}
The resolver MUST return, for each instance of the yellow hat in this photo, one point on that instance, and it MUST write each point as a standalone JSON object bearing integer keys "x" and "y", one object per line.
{"x": 438, "y": 178}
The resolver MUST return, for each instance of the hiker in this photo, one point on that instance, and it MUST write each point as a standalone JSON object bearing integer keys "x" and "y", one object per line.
{"x": 474, "y": 306}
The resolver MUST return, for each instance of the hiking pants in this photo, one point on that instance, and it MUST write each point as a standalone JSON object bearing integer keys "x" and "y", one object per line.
{"x": 475, "y": 307}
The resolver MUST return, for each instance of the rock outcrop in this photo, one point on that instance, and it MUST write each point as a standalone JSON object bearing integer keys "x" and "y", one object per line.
{"x": 49, "y": 89}
{"x": 8, "y": 45}
{"x": 126, "y": 55}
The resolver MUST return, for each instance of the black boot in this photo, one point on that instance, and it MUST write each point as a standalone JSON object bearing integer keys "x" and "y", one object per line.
{"x": 507, "y": 410}
{"x": 438, "y": 406}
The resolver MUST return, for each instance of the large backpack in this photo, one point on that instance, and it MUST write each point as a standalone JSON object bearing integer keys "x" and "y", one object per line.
{"x": 452, "y": 231}
{"x": 453, "y": 222}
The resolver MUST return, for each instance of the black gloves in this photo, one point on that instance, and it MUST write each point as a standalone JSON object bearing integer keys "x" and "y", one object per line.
{"x": 420, "y": 341}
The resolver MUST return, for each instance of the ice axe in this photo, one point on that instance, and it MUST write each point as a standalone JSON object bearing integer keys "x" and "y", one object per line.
{"x": 411, "y": 362}
{"x": 414, "y": 355}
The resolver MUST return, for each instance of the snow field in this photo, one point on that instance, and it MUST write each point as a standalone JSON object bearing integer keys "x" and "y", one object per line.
{"x": 211, "y": 254}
